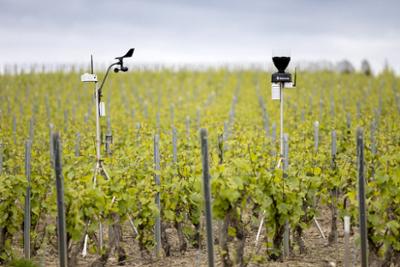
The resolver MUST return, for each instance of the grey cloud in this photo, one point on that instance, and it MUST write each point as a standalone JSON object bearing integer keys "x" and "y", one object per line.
{"x": 207, "y": 30}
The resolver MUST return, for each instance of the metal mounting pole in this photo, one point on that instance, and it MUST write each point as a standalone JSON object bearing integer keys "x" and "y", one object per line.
{"x": 286, "y": 235}
{"x": 281, "y": 98}
{"x": 98, "y": 130}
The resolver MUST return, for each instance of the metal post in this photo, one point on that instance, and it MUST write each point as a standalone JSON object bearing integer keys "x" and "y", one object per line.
{"x": 78, "y": 145}
{"x": 358, "y": 110}
{"x": 361, "y": 198}
{"x": 372, "y": 137}
{"x": 1, "y": 157}
{"x": 27, "y": 212}
{"x": 100, "y": 234}
{"x": 346, "y": 261}
{"x": 333, "y": 146}
{"x": 98, "y": 130}
{"x": 207, "y": 196}
{"x": 14, "y": 129}
{"x": 348, "y": 120}
{"x": 108, "y": 136}
{"x": 286, "y": 241}
{"x": 51, "y": 128}
{"x": 62, "y": 237}
{"x": 188, "y": 127}
{"x": 174, "y": 146}
{"x": 226, "y": 131}
{"x": 157, "y": 230}
{"x": 316, "y": 136}
{"x": 31, "y": 129}
{"x": 281, "y": 117}
{"x": 86, "y": 118}
{"x": 65, "y": 120}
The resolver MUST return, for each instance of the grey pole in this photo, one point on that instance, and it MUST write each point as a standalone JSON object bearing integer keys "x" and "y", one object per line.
{"x": 14, "y": 129}
{"x": 27, "y": 212}
{"x": 358, "y": 110}
{"x": 333, "y": 146}
{"x": 207, "y": 196}
{"x": 286, "y": 241}
{"x": 98, "y": 129}
{"x": 348, "y": 120}
{"x": 157, "y": 230}
{"x": 373, "y": 139}
{"x": 361, "y": 198}
{"x": 174, "y": 146}
{"x": 108, "y": 136}
{"x": 281, "y": 120}
{"x": 346, "y": 261}
{"x": 65, "y": 120}
{"x": 285, "y": 152}
{"x": 51, "y": 129}
{"x": 188, "y": 127}
{"x": 31, "y": 129}
{"x": 1, "y": 157}
{"x": 62, "y": 237}
{"x": 316, "y": 136}
{"x": 78, "y": 145}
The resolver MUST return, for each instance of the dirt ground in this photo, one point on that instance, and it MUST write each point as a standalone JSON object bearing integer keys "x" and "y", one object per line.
{"x": 318, "y": 252}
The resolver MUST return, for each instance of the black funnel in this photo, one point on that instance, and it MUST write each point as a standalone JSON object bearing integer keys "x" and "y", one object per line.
{"x": 281, "y": 63}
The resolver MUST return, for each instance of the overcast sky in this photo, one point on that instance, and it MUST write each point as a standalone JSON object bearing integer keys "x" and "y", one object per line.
{"x": 206, "y": 31}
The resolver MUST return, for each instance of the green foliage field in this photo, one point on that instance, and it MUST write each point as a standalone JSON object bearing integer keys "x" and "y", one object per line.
{"x": 235, "y": 107}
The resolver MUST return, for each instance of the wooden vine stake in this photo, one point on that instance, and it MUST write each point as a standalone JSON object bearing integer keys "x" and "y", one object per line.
{"x": 27, "y": 211}
{"x": 334, "y": 193}
{"x": 62, "y": 235}
{"x": 207, "y": 196}
{"x": 157, "y": 230}
{"x": 361, "y": 198}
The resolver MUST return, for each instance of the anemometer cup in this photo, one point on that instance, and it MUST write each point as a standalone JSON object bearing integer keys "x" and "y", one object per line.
{"x": 116, "y": 66}
{"x": 121, "y": 61}
{"x": 123, "y": 69}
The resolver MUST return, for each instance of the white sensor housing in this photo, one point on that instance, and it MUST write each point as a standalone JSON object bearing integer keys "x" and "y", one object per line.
{"x": 88, "y": 77}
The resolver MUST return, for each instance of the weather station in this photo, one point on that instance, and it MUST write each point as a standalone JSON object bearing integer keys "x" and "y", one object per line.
{"x": 279, "y": 81}
{"x": 100, "y": 112}
{"x": 100, "y": 107}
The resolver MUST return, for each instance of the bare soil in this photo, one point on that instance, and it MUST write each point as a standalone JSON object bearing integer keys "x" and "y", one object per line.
{"x": 318, "y": 253}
